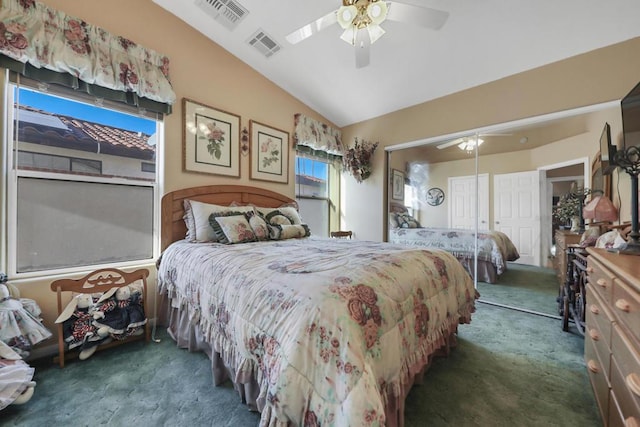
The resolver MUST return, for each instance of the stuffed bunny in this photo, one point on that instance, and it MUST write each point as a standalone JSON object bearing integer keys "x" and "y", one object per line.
{"x": 121, "y": 313}
{"x": 77, "y": 325}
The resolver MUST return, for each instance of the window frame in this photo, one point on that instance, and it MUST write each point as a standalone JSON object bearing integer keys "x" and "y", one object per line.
{"x": 12, "y": 173}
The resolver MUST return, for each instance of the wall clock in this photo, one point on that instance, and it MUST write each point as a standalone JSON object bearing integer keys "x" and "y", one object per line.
{"x": 435, "y": 196}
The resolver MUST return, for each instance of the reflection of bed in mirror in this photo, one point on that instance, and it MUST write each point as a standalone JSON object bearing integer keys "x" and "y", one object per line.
{"x": 495, "y": 248}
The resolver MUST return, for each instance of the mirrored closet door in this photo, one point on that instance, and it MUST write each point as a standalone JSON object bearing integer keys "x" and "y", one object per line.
{"x": 503, "y": 180}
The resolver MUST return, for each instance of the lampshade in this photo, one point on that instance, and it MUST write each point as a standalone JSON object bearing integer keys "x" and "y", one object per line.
{"x": 377, "y": 11}
{"x": 600, "y": 208}
{"x": 346, "y": 15}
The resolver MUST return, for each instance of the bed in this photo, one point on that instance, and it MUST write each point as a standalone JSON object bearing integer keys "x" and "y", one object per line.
{"x": 311, "y": 331}
{"x": 495, "y": 248}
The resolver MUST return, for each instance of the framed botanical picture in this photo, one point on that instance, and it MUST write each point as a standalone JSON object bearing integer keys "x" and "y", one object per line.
{"x": 269, "y": 153}
{"x": 211, "y": 140}
{"x": 397, "y": 185}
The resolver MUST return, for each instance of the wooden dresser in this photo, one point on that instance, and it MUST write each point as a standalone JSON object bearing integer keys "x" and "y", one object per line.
{"x": 612, "y": 339}
{"x": 563, "y": 239}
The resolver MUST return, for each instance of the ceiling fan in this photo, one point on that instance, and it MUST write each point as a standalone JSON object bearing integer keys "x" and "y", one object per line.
{"x": 469, "y": 143}
{"x": 361, "y": 19}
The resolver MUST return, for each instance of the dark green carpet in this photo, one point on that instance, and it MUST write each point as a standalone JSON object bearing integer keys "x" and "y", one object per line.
{"x": 509, "y": 369}
{"x": 524, "y": 286}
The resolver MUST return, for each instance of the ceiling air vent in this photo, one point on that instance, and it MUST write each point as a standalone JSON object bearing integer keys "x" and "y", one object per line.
{"x": 264, "y": 43}
{"x": 228, "y": 12}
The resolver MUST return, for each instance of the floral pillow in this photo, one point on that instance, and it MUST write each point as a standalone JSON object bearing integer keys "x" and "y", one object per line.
{"x": 407, "y": 221}
{"x": 291, "y": 231}
{"x": 232, "y": 228}
{"x": 258, "y": 225}
{"x": 393, "y": 220}
{"x": 197, "y": 215}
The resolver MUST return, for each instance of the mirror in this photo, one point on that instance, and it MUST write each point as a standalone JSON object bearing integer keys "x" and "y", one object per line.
{"x": 539, "y": 157}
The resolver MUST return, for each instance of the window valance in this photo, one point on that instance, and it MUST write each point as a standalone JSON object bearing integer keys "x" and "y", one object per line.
{"x": 316, "y": 135}
{"x": 40, "y": 38}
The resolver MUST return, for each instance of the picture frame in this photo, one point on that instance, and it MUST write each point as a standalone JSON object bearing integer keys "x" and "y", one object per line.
{"x": 397, "y": 185}
{"x": 269, "y": 153}
{"x": 211, "y": 140}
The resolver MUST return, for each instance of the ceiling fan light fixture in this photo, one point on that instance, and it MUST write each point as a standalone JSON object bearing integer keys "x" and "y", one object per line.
{"x": 377, "y": 11}
{"x": 346, "y": 15}
{"x": 470, "y": 144}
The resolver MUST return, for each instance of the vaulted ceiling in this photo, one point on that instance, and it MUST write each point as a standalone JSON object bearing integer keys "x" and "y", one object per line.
{"x": 481, "y": 41}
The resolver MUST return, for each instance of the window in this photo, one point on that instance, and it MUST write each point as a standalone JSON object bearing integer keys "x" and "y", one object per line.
{"x": 313, "y": 193}
{"x": 85, "y": 189}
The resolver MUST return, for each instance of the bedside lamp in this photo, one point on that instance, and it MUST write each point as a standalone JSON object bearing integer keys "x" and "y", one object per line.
{"x": 599, "y": 209}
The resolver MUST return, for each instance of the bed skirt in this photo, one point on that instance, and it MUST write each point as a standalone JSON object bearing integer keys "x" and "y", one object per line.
{"x": 486, "y": 270}
{"x": 188, "y": 335}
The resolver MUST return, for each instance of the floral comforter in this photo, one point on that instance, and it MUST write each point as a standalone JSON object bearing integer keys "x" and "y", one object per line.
{"x": 493, "y": 246}
{"x": 327, "y": 326}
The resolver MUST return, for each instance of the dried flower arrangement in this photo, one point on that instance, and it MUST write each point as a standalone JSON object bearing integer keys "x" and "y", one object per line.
{"x": 570, "y": 204}
{"x": 357, "y": 160}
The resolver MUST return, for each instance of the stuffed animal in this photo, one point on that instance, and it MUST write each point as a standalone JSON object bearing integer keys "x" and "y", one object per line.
{"x": 77, "y": 325}
{"x": 120, "y": 313}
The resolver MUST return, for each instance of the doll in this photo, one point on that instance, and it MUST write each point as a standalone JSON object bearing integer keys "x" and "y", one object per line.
{"x": 16, "y": 385}
{"x": 19, "y": 328}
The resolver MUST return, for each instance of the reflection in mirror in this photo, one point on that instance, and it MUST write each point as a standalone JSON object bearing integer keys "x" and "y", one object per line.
{"x": 508, "y": 192}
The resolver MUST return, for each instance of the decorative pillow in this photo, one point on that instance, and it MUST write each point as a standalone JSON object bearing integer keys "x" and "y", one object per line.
{"x": 199, "y": 228}
{"x": 407, "y": 221}
{"x": 282, "y": 232}
{"x": 393, "y": 220}
{"x": 232, "y": 228}
{"x": 287, "y": 211}
{"x": 258, "y": 226}
{"x": 589, "y": 237}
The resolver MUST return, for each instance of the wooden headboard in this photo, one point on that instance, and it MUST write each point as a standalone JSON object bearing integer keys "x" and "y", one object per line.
{"x": 172, "y": 227}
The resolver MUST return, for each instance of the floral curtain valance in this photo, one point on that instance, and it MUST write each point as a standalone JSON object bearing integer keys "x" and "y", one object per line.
{"x": 317, "y": 136}
{"x": 38, "y": 36}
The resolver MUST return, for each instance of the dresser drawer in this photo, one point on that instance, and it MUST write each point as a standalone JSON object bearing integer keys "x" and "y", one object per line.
{"x": 600, "y": 279}
{"x": 598, "y": 323}
{"x": 625, "y": 372}
{"x": 616, "y": 418}
{"x": 626, "y": 307}
{"x": 598, "y": 378}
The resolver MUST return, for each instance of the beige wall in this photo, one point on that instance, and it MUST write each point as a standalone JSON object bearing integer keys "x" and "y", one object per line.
{"x": 200, "y": 70}
{"x": 596, "y": 77}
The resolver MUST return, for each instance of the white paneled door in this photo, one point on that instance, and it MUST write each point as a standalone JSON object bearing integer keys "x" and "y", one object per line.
{"x": 462, "y": 202}
{"x": 516, "y": 212}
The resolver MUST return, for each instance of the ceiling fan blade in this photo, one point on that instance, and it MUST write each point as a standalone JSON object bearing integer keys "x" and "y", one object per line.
{"x": 314, "y": 27}
{"x": 418, "y": 15}
{"x": 450, "y": 143}
{"x": 363, "y": 44}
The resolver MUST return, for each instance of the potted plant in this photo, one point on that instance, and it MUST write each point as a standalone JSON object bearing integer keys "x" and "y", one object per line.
{"x": 357, "y": 159}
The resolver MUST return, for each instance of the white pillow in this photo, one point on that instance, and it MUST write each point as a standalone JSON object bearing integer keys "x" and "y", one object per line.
{"x": 203, "y": 232}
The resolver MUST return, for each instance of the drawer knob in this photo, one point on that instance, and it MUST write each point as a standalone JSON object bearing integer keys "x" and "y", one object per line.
{"x": 593, "y": 366}
{"x": 631, "y": 422}
{"x": 594, "y": 309}
{"x": 601, "y": 282}
{"x": 623, "y": 305}
{"x": 594, "y": 334}
{"x": 590, "y": 270}
{"x": 633, "y": 383}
